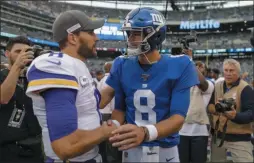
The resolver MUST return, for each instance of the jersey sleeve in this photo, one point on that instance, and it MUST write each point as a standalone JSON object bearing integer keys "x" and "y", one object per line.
{"x": 51, "y": 72}
{"x": 181, "y": 90}
{"x": 61, "y": 112}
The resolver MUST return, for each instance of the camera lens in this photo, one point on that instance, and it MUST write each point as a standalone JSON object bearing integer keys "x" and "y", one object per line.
{"x": 218, "y": 107}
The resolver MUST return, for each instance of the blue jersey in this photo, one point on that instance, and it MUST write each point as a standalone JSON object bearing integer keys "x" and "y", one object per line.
{"x": 153, "y": 95}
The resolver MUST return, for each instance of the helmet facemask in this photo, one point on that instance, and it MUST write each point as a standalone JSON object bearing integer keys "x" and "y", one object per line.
{"x": 137, "y": 40}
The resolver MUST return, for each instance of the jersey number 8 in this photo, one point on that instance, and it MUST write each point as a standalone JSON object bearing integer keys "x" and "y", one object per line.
{"x": 145, "y": 109}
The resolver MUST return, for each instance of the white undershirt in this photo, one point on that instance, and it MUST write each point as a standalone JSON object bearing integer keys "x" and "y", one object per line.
{"x": 101, "y": 85}
{"x": 194, "y": 129}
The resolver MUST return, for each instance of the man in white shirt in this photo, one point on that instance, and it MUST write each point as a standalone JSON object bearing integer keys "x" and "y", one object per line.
{"x": 109, "y": 154}
{"x": 194, "y": 133}
{"x": 106, "y": 112}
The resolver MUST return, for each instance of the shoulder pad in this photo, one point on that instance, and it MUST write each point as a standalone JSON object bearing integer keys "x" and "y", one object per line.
{"x": 176, "y": 65}
{"x": 54, "y": 62}
{"x": 119, "y": 60}
{"x": 51, "y": 70}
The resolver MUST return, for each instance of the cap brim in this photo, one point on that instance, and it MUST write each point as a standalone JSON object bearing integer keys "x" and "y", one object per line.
{"x": 95, "y": 24}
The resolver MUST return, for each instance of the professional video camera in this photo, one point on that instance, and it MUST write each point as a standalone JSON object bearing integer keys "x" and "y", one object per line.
{"x": 185, "y": 41}
{"x": 37, "y": 50}
{"x": 225, "y": 105}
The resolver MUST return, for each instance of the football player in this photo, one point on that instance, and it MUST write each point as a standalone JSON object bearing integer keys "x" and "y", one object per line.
{"x": 152, "y": 91}
{"x": 64, "y": 96}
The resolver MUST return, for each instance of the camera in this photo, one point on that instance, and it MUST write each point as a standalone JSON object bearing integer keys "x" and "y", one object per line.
{"x": 37, "y": 50}
{"x": 185, "y": 41}
{"x": 225, "y": 105}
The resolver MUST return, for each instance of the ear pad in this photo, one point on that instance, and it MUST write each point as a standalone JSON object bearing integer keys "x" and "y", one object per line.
{"x": 145, "y": 47}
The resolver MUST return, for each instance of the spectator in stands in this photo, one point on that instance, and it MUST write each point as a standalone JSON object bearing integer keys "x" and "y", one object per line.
{"x": 232, "y": 128}
{"x": 245, "y": 77}
{"x": 20, "y": 138}
{"x": 194, "y": 133}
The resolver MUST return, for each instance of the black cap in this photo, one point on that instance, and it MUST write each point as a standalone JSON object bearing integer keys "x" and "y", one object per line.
{"x": 73, "y": 20}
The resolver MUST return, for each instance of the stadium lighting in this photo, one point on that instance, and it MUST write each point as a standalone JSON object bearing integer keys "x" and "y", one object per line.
{"x": 127, "y": 5}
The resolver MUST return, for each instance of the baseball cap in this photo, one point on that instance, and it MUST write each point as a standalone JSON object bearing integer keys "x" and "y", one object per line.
{"x": 73, "y": 20}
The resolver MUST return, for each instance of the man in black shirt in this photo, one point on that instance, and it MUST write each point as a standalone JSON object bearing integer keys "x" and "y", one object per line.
{"x": 20, "y": 136}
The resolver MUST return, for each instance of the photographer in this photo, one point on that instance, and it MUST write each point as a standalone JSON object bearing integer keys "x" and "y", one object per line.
{"x": 20, "y": 138}
{"x": 194, "y": 133}
{"x": 232, "y": 106}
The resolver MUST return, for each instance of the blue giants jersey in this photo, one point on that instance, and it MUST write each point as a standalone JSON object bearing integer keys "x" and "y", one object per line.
{"x": 151, "y": 96}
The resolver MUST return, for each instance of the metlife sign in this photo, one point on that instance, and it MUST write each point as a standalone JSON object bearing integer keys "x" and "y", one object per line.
{"x": 200, "y": 24}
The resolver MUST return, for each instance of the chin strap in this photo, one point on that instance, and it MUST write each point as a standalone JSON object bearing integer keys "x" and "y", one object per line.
{"x": 149, "y": 60}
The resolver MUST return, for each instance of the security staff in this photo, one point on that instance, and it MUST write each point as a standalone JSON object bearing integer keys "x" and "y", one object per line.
{"x": 20, "y": 136}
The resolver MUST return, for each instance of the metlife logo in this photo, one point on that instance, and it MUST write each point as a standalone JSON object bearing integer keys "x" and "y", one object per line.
{"x": 200, "y": 24}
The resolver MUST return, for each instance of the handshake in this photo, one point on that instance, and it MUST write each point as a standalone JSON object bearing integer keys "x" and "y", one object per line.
{"x": 123, "y": 137}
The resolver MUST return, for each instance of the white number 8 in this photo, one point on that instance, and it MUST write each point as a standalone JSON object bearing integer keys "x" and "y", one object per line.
{"x": 148, "y": 108}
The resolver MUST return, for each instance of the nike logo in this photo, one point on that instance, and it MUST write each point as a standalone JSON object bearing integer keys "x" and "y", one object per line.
{"x": 151, "y": 153}
{"x": 56, "y": 63}
{"x": 168, "y": 160}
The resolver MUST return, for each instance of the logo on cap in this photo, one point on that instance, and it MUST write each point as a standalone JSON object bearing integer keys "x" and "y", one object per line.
{"x": 73, "y": 28}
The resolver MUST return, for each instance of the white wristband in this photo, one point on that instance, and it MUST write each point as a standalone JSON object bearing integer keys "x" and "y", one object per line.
{"x": 116, "y": 123}
{"x": 153, "y": 133}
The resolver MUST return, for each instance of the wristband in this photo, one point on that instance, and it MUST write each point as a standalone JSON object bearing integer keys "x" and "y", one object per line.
{"x": 116, "y": 123}
{"x": 152, "y": 131}
{"x": 146, "y": 134}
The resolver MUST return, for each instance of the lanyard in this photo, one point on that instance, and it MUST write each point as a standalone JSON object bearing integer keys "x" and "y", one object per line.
{"x": 18, "y": 112}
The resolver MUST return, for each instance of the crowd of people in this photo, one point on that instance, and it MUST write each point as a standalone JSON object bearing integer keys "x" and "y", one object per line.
{"x": 144, "y": 107}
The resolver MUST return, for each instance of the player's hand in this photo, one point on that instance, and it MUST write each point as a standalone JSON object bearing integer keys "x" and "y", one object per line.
{"x": 127, "y": 136}
{"x": 188, "y": 52}
{"x": 111, "y": 123}
{"x": 23, "y": 59}
{"x": 107, "y": 128}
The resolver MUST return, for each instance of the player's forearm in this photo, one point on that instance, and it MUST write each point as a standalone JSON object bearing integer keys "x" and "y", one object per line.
{"x": 78, "y": 143}
{"x": 107, "y": 94}
{"x": 203, "y": 85}
{"x": 8, "y": 87}
{"x": 169, "y": 126}
{"x": 119, "y": 116}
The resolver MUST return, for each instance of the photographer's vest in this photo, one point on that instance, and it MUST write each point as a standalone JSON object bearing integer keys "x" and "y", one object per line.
{"x": 235, "y": 93}
{"x": 197, "y": 109}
